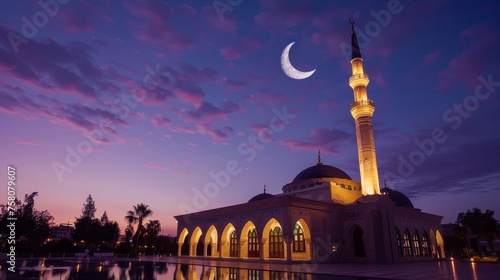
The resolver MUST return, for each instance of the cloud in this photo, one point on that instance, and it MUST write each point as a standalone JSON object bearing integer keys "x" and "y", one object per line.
{"x": 327, "y": 140}
{"x": 27, "y": 143}
{"x": 242, "y": 49}
{"x": 227, "y": 24}
{"x": 160, "y": 121}
{"x": 472, "y": 62}
{"x": 164, "y": 168}
{"x": 430, "y": 58}
{"x": 264, "y": 96}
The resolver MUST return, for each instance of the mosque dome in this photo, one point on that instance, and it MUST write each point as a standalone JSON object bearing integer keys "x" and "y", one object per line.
{"x": 321, "y": 171}
{"x": 261, "y": 196}
{"x": 398, "y": 198}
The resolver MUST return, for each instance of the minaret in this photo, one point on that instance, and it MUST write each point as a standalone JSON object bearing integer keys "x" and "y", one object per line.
{"x": 362, "y": 111}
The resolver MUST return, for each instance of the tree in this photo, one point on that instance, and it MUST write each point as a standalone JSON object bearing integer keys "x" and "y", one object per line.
{"x": 482, "y": 224}
{"x": 33, "y": 227}
{"x": 153, "y": 228}
{"x": 137, "y": 216}
{"x": 91, "y": 230}
{"x": 88, "y": 210}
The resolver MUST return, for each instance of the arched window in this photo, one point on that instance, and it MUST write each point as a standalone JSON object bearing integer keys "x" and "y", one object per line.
{"x": 416, "y": 244}
{"x": 299, "y": 244}
{"x": 407, "y": 243}
{"x": 276, "y": 248}
{"x": 253, "y": 244}
{"x": 398, "y": 243}
{"x": 425, "y": 245}
{"x": 233, "y": 245}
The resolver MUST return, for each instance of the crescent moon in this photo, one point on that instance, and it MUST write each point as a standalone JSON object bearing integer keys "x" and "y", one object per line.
{"x": 288, "y": 68}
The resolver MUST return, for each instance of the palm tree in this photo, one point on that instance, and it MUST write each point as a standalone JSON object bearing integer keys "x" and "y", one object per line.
{"x": 137, "y": 216}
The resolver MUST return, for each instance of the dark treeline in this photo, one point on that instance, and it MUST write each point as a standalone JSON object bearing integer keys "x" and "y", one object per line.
{"x": 33, "y": 231}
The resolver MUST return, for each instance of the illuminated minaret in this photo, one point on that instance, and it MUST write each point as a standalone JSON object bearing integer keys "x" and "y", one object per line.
{"x": 362, "y": 111}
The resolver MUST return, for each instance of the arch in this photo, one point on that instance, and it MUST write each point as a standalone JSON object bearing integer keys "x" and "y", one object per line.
{"x": 193, "y": 243}
{"x": 225, "y": 240}
{"x": 249, "y": 225}
{"x": 399, "y": 244}
{"x": 272, "y": 235}
{"x": 306, "y": 235}
{"x": 357, "y": 238}
{"x": 416, "y": 244}
{"x": 425, "y": 244}
{"x": 407, "y": 243}
{"x": 439, "y": 245}
{"x": 210, "y": 242}
{"x": 181, "y": 240}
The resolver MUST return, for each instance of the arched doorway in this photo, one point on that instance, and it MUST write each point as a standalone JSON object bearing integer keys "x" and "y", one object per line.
{"x": 248, "y": 228}
{"x": 253, "y": 244}
{"x": 210, "y": 242}
{"x": 301, "y": 241}
{"x": 195, "y": 246}
{"x": 228, "y": 243}
{"x": 359, "y": 245}
{"x": 183, "y": 243}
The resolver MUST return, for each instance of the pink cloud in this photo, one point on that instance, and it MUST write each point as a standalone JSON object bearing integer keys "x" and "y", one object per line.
{"x": 328, "y": 140}
{"x": 160, "y": 121}
{"x": 224, "y": 24}
{"x": 242, "y": 49}
{"x": 472, "y": 62}
{"x": 267, "y": 97}
{"x": 26, "y": 142}
{"x": 430, "y": 58}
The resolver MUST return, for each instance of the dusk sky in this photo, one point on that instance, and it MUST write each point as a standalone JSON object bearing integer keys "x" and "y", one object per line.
{"x": 141, "y": 101}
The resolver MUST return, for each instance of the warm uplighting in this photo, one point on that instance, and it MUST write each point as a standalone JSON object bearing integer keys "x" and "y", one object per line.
{"x": 471, "y": 259}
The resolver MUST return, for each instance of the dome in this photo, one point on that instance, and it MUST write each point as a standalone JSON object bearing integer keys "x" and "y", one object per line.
{"x": 399, "y": 198}
{"x": 321, "y": 171}
{"x": 261, "y": 196}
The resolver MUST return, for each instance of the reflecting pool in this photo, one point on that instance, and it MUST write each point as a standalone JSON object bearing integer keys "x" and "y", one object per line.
{"x": 48, "y": 269}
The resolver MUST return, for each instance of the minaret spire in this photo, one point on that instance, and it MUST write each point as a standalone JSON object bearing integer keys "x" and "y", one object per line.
{"x": 362, "y": 111}
{"x": 319, "y": 158}
{"x": 356, "y": 52}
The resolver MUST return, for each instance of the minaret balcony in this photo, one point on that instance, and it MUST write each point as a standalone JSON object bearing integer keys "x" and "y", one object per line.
{"x": 362, "y": 103}
{"x": 359, "y": 80}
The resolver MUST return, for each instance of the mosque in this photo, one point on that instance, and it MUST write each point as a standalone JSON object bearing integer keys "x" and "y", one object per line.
{"x": 322, "y": 215}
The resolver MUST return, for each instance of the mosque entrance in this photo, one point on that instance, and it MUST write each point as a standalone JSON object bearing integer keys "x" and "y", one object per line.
{"x": 359, "y": 246}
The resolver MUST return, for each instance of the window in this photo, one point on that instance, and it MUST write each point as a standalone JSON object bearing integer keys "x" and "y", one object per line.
{"x": 276, "y": 247}
{"x": 253, "y": 244}
{"x": 233, "y": 245}
{"x": 233, "y": 273}
{"x": 299, "y": 244}
{"x": 425, "y": 245}
{"x": 407, "y": 243}
{"x": 399, "y": 244}
{"x": 416, "y": 244}
{"x": 342, "y": 186}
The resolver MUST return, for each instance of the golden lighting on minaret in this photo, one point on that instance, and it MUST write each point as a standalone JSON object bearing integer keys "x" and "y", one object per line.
{"x": 362, "y": 111}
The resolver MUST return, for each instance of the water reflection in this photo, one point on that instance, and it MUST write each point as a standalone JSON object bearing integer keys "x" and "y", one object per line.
{"x": 146, "y": 270}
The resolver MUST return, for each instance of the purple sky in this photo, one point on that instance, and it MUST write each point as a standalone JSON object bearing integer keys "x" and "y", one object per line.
{"x": 139, "y": 102}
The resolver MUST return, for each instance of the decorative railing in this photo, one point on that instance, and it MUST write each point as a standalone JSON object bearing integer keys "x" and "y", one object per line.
{"x": 358, "y": 77}
{"x": 362, "y": 103}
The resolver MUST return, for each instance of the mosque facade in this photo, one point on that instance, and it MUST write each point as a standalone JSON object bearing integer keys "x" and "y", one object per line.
{"x": 322, "y": 215}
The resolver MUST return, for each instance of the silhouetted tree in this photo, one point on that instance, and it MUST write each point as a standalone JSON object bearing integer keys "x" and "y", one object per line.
{"x": 482, "y": 224}
{"x": 33, "y": 227}
{"x": 91, "y": 230}
{"x": 137, "y": 216}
